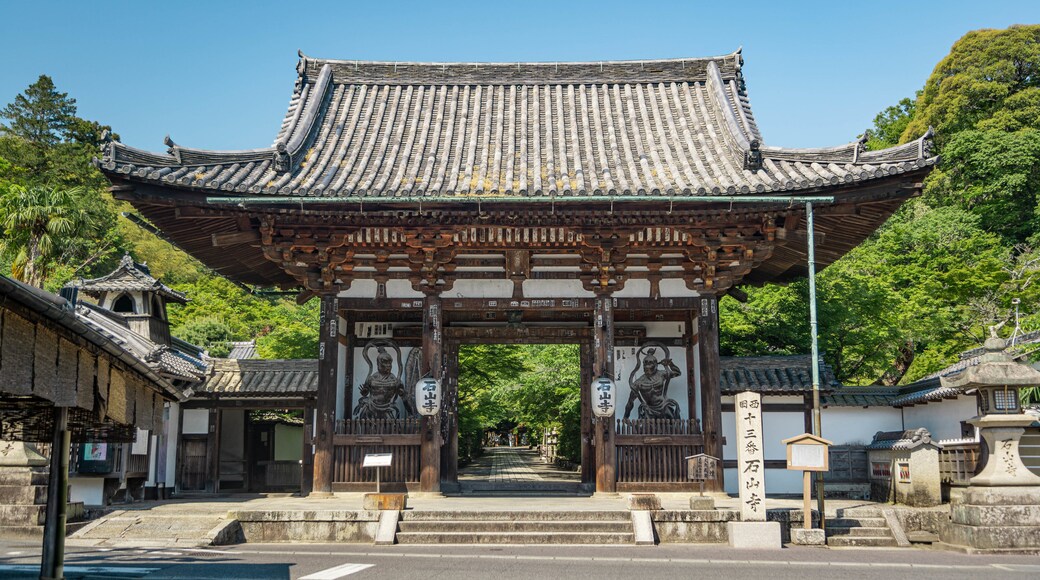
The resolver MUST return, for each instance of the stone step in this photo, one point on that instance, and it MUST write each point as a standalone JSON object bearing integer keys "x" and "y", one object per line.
{"x": 510, "y": 516}
{"x": 23, "y": 476}
{"x": 23, "y": 494}
{"x": 135, "y": 527}
{"x": 494, "y": 527}
{"x": 35, "y": 532}
{"x": 29, "y": 515}
{"x": 860, "y": 541}
{"x": 854, "y": 522}
{"x": 515, "y": 538}
{"x": 860, "y": 512}
{"x": 861, "y": 532}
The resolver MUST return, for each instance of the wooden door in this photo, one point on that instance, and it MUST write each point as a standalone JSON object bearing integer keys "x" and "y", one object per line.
{"x": 193, "y": 463}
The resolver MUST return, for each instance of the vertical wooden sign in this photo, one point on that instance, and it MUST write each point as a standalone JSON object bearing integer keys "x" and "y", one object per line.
{"x": 751, "y": 469}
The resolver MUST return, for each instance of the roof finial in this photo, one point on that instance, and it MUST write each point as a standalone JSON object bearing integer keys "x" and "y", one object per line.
{"x": 753, "y": 156}
{"x": 927, "y": 143}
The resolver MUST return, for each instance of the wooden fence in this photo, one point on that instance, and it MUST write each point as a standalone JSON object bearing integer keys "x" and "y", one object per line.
{"x": 957, "y": 462}
{"x": 357, "y": 438}
{"x": 651, "y": 452}
{"x": 848, "y": 464}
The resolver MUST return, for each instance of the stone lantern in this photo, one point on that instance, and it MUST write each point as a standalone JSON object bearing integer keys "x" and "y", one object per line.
{"x": 1000, "y": 509}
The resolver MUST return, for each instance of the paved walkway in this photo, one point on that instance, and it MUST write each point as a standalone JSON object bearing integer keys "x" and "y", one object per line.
{"x": 514, "y": 465}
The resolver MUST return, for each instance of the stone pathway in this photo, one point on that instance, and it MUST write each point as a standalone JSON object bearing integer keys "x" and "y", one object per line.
{"x": 514, "y": 465}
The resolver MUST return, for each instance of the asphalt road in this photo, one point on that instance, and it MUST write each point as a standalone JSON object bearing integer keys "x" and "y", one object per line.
{"x": 332, "y": 561}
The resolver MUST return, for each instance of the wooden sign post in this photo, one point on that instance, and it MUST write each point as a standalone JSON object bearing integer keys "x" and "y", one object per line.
{"x": 808, "y": 453}
{"x": 379, "y": 461}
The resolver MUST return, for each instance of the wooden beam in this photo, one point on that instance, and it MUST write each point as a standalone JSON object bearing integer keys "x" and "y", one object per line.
{"x": 325, "y": 422}
{"x": 235, "y": 238}
{"x": 711, "y": 398}
{"x": 588, "y": 452}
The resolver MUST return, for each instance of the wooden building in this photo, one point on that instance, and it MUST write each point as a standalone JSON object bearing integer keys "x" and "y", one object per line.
{"x": 608, "y": 204}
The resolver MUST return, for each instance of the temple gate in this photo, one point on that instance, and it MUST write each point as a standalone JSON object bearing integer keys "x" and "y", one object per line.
{"x": 427, "y": 206}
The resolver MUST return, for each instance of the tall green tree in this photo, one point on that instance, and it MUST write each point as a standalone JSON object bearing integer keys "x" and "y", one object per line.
{"x": 45, "y": 227}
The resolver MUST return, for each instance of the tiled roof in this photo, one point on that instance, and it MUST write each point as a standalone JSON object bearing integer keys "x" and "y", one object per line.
{"x": 772, "y": 375}
{"x": 378, "y": 129}
{"x": 167, "y": 361}
{"x": 921, "y": 392}
{"x": 129, "y": 276}
{"x": 245, "y": 349}
{"x": 902, "y": 440}
{"x": 248, "y": 378}
{"x": 860, "y": 397}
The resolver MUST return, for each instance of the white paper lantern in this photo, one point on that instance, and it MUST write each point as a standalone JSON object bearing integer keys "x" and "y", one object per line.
{"x": 428, "y": 396}
{"x": 604, "y": 394}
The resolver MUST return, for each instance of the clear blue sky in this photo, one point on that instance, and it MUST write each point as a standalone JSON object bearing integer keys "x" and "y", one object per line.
{"x": 218, "y": 75}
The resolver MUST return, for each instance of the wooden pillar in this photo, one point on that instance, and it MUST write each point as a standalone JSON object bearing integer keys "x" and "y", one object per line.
{"x": 52, "y": 561}
{"x": 325, "y": 419}
{"x": 690, "y": 342}
{"x": 213, "y": 451}
{"x": 450, "y": 412}
{"x": 603, "y": 365}
{"x": 433, "y": 354}
{"x": 711, "y": 396}
{"x": 588, "y": 451}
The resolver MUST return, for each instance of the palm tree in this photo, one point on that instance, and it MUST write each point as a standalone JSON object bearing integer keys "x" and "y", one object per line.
{"x": 43, "y": 225}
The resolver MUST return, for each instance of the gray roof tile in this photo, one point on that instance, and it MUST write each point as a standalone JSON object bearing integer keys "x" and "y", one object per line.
{"x": 368, "y": 129}
{"x": 248, "y": 378}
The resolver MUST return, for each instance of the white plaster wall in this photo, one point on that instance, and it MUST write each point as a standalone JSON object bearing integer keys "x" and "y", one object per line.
{"x": 170, "y": 440}
{"x": 480, "y": 289}
{"x": 634, "y": 289}
{"x": 555, "y": 289}
{"x": 196, "y": 422}
{"x": 857, "y": 425}
{"x": 674, "y": 288}
{"x": 400, "y": 289}
{"x": 776, "y": 427}
{"x": 777, "y": 481}
{"x": 361, "y": 289}
{"x": 89, "y": 490}
{"x": 941, "y": 418}
{"x": 140, "y": 444}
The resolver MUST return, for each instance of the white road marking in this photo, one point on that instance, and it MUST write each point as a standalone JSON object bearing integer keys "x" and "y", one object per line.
{"x": 337, "y": 572}
{"x": 116, "y": 571}
{"x": 15, "y": 553}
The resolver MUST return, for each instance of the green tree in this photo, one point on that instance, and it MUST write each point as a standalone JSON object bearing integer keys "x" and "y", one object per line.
{"x": 890, "y": 124}
{"x": 212, "y": 334}
{"x": 291, "y": 340}
{"x": 48, "y": 226}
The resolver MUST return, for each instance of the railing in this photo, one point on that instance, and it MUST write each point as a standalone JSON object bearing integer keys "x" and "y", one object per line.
{"x": 136, "y": 464}
{"x": 357, "y": 438}
{"x": 957, "y": 461}
{"x": 655, "y": 450}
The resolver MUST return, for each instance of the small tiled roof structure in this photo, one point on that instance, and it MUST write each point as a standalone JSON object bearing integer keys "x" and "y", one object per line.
{"x": 258, "y": 378}
{"x": 245, "y": 349}
{"x": 129, "y": 276}
{"x": 902, "y": 440}
{"x": 386, "y": 129}
{"x": 175, "y": 364}
{"x": 773, "y": 375}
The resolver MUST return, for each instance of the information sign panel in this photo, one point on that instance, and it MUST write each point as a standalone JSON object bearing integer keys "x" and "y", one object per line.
{"x": 377, "y": 460}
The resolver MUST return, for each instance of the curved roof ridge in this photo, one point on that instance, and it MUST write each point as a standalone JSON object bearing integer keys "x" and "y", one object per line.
{"x": 306, "y": 58}
{"x": 519, "y": 73}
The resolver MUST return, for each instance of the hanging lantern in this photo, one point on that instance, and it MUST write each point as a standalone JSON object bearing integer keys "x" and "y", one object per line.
{"x": 428, "y": 396}
{"x": 604, "y": 393}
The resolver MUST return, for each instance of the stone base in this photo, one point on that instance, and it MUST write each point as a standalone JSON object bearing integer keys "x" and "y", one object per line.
{"x": 754, "y": 535}
{"x": 698, "y": 502}
{"x": 995, "y": 519}
{"x": 384, "y": 501}
{"x": 810, "y": 537}
{"x": 644, "y": 501}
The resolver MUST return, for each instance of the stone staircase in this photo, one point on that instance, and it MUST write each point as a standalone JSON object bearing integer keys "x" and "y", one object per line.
{"x": 151, "y": 529}
{"x": 531, "y": 527}
{"x": 23, "y": 499}
{"x": 859, "y": 527}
